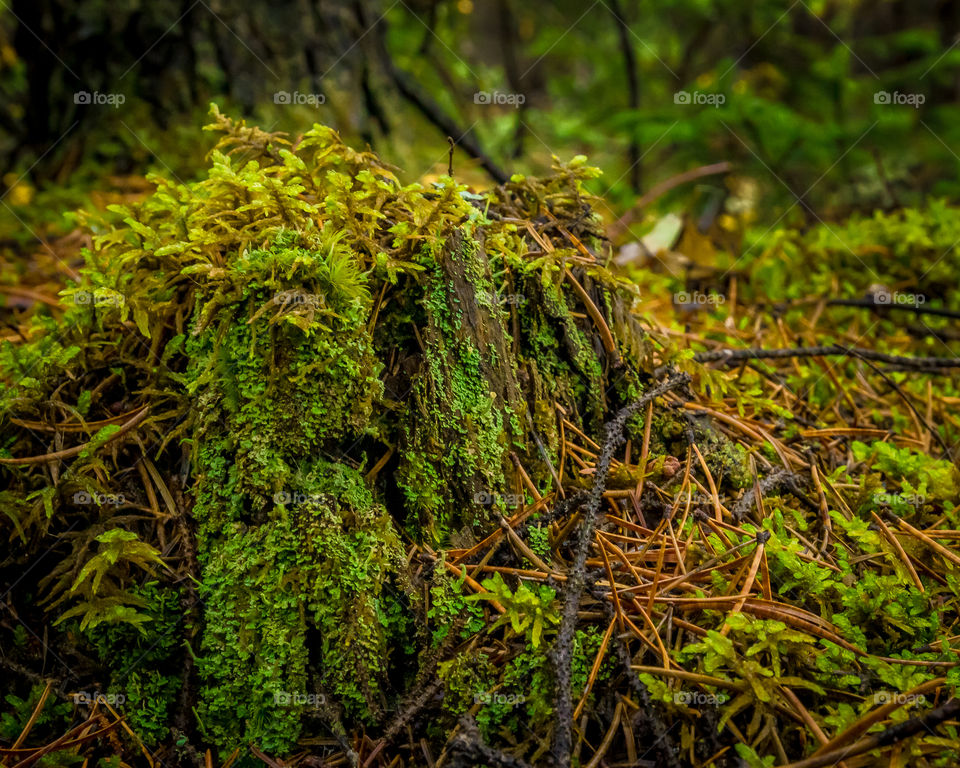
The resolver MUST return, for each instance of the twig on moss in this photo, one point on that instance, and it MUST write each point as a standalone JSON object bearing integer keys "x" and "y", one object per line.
{"x": 606, "y": 337}
{"x": 78, "y": 449}
{"x": 469, "y": 750}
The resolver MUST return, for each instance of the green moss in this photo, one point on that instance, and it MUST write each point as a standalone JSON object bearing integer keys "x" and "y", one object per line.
{"x": 286, "y": 317}
{"x": 144, "y": 679}
{"x": 351, "y": 553}
{"x": 252, "y": 653}
{"x": 449, "y": 604}
{"x": 465, "y": 401}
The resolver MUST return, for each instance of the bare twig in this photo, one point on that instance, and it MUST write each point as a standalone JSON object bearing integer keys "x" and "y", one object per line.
{"x": 730, "y": 356}
{"x": 563, "y": 654}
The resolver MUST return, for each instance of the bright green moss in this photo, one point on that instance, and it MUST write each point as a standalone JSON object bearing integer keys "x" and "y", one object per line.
{"x": 465, "y": 400}
{"x": 290, "y": 319}
{"x": 144, "y": 677}
{"x": 252, "y": 654}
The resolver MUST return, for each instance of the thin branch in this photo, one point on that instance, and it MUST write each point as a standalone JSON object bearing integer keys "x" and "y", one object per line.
{"x": 891, "y": 735}
{"x": 728, "y": 356}
{"x": 633, "y": 89}
{"x": 412, "y": 91}
{"x": 573, "y": 589}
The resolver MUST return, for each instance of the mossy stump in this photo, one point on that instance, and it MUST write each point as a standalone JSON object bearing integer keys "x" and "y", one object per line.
{"x": 270, "y": 384}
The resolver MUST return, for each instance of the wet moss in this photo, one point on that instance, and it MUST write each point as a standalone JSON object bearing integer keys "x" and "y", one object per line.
{"x": 287, "y": 317}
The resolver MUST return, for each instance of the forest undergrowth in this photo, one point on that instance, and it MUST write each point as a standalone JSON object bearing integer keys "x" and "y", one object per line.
{"x": 307, "y": 467}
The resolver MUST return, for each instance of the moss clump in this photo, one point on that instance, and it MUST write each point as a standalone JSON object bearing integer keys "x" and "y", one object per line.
{"x": 326, "y": 358}
{"x": 144, "y": 676}
{"x": 466, "y": 401}
{"x": 287, "y": 542}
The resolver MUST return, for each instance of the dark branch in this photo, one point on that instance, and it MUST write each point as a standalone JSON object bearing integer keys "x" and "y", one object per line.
{"x": 728, "y": 356}
{"x": 577, "y": 579}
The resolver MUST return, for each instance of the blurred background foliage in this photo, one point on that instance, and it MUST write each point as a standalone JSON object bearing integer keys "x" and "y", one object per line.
{"x": 802, "y": 117}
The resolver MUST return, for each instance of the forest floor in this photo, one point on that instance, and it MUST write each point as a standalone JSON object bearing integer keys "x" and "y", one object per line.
{"x": 303, "y": 467}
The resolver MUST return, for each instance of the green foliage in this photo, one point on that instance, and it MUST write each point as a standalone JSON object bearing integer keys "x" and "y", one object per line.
{"x": 916, "y": 472}
{"x": 101, "y": 595}
{"x": 530, "y": 612}
{"x": 144, "y": 667}
{"x": 760, "y": 668}
{"x": 355, "y": 552}
{"x": 448, "y": 603}
{"x": 52, "y": 719}
{"x": 252, "y": 648}
{"x": 538, "y": 537}
{"x": 519, "y": 695}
